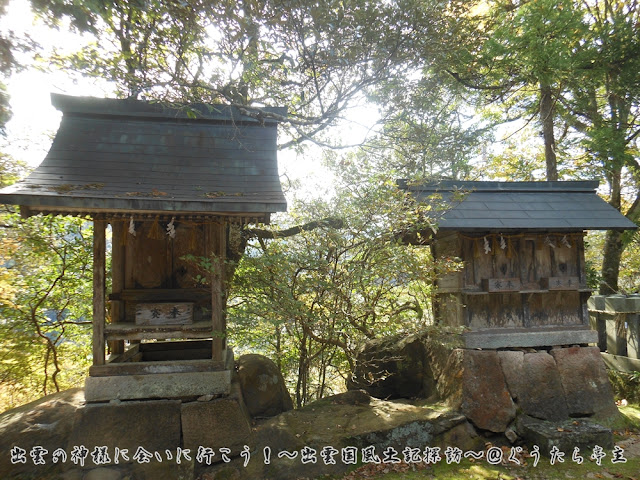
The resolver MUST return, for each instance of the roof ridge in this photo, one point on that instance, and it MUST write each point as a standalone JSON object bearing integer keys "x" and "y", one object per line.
{"x": 588, "y": 186}
{"x": 154, "y": 109}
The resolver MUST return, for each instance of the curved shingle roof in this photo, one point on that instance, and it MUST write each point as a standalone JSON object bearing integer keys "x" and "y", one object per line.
{"x": 124, "y": 156}
{"x": 550, "y": 206}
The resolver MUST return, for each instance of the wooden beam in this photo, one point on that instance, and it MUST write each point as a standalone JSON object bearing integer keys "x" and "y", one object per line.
{"x": 99, "y": 251}
{"x": 218, "y": 241}
{"x": 131, "y": 331}
{"x": 155, "y": 367}
{"x": 117, "y": 279}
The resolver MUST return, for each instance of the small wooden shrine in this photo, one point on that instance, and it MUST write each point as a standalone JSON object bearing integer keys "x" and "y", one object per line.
{"x": 523, "y": 281}
{"x": 176, "y": 184}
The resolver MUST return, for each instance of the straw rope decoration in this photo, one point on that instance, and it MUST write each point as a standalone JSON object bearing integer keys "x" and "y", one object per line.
{"x": 493, "y": 243}
{"x": 132, "y": 226}
{"x": 171, "y": 229}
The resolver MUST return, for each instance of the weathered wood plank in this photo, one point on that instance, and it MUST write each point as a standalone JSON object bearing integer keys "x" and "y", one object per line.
{"x": 130, "y": 331}
{"x": 159, "y": 294}
{"x": 175, "y": 355}
{"x": 99, "y": 252}
{"x": 166, "y": 313}
{"x": 117, "y": 279}
{"x": 189, "y": 240}
{"x": 555, "y": 308}
{"x": 482, "y": 262}
{"x": 560, "y": 283}
{"x": 511, "y": 284}
{"x": 449, "y": 310}
{"x": 449, "y": 245}
{"x": 527, "y": 255}
{"x": 128, "y": 355}
{"x": 542, "y": 258}
{"x": 495, "y": 310}
{"x": 149, "y": 368}
{"x": 178, "y": 345}
{"x": 503, "y": 266}
{"x": 218, "y": 237}
{"x": 582, "y": 270}
{"x": 148, "y": 267}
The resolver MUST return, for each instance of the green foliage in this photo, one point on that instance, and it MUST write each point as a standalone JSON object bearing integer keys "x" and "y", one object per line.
{"x": 571, "y": 67}
{"x": 45, "y": 306}
{"x": 428, "y": 131}
{"x": 310, "y": 301}
{"x": 625, "y": 385}
{"x": 316, "y": 58}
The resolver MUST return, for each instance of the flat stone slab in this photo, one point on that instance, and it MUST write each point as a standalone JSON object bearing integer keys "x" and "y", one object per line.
{"x": 220, "y": 423}
{"x": 160, "y": 385}
{"x": 153, "y": 425}
{"x": 584, "y": 379}
{"x": 566, "y": 435}
{"x": 531, "y": 338}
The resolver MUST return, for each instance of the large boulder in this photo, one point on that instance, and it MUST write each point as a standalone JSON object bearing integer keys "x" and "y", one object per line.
{"x": 585, "y": 381}
{"x": 486, "y": 401}
{"x": 219, "y": 423}
{"x": 351, "y": 420}
{"x": 45, "y": 423}
{"x": 393, "y": 367}
{"x": 263, "y": 388}
{"x": 565, "y": 435}
{"x": 152, "y": 424}
{"x": 542, "y": 395}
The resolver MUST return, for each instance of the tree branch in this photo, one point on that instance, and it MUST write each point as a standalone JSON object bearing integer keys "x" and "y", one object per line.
{"x": 262, "y": 233}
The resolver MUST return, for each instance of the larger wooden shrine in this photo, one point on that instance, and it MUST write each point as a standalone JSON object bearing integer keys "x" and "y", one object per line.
{"x": 523, "y": 282}
{"x": 176, "y": 184}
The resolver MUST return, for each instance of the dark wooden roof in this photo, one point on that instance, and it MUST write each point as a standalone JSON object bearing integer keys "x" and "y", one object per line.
{"x": 500, "y": 206}
{"x": 133, "y": 156}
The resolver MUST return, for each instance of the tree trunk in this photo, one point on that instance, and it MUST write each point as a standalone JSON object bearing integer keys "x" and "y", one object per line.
{"x": 613, "y": 248}
{"x": 303, "y": 370}
{"x": 547, "y": 118}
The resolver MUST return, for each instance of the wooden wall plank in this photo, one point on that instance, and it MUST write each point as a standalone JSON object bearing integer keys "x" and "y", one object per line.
{"x": 117, "y": 278}
{"x": 555, "y": 308}
{"x": 449, "y": 245}
{"x": 218, "y": 244}
{"x": 527, "y": 255}
{"x": 99, "y": 252}
{"x": 495, "y": 310}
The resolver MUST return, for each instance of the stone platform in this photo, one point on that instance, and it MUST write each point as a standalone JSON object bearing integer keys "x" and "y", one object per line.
{"x": 157, "y": 385}
{"x": 167, "y": 379}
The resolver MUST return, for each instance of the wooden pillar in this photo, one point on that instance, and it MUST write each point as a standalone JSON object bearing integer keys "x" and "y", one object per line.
{"x": 99, "y": 251}
{"x": 217, "y": 294}
{"x": 117, "y": 280}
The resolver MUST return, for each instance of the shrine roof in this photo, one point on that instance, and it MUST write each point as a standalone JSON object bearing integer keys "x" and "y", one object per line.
{"x": 502, "y": 206}
{"x": 137, "y": 156}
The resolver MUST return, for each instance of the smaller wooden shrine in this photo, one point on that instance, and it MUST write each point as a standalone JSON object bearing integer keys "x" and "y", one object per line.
{"x": 176, "y": 184}
{"x": 523, "y": 281}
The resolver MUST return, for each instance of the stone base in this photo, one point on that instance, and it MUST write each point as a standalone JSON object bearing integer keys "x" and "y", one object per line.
{"x": 219, "y": 423}
{"x": 491, "y": 386}
{"x": 513, "y": 338}
{"x": 565, "y": 436}
{"x": 154, "y": 425}
{"x": 160, "y": 385}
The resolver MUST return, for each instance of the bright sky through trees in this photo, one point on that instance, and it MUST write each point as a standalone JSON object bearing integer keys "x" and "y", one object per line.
{"x": 35, "y": 120}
